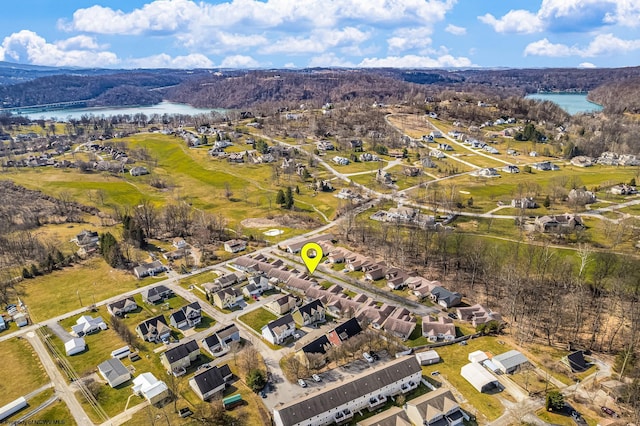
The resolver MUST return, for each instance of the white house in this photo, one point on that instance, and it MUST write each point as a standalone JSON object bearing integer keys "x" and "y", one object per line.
{"x": 337, "y": 402}
{"x": 114, "y": 372}
{"x": 235, "y": 246}
{"x": 87, "y": 325}
{"x": 278, "y": 330}
{"x": 149, "y": 387}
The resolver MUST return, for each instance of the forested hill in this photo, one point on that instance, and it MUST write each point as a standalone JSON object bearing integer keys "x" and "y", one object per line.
{"x": 70, "y": 87}
{"x": 291, "y": 88}
{"x": 619, "y": 97}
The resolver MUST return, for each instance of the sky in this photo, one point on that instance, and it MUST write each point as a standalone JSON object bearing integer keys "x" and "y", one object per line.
{"x": 321, "y": 33}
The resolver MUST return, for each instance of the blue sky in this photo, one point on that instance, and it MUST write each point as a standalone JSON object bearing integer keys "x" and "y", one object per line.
{"x": 309, "y": 33}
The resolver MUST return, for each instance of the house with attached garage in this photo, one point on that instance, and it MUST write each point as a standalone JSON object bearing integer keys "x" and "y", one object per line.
{"x": 153, "y": 390}
{"x": 156, "y": 294}
{"x": 311, "y": 313}
{"x": 436, "y": 408}
{"x": 478, "y": 314}
{"x": 258, "y": 284}
{"x": 445, "y": 298}
{"x": 344, "y": 332}
{"x": 218, "y": 343}
{"x": 149, "y": 269}
{"x": 177, "y": 359}
{"x": 339, "y": 402}
{"x": 88, "y": 325}
{"x": 227, "y": 298}
{"x": 154, "y": 329}
{"x": 210, "y": 382}
{"x": 279, "y": 329}
{"x": 235, "y": 246}
{"x": 187, "y": 316}
{"x": 122, "y": 306}
{"x": 114, "y": 372}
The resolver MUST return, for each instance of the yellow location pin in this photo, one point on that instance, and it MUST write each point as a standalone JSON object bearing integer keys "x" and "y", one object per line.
{"x": 311, "y": 256}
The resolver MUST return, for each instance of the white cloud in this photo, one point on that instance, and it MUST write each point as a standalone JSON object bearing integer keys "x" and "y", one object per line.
{"x": 329, "y": 60}
{"x": 586, "y": 65}
{"x": 409, "y": 38}
{"x": 318, "y": 41}
{"x": 163, "y": 60}
{"x": 567, "y": 16}
{"x": 415, "y": 61}
{"x": 220, "y": 41}
{"x": 515, "y": 21}
{"x": 27, "y": 46}
{"x": 601, "y": 45}
{"x": 455, "y": 30}
{"x": 239, "y": 61}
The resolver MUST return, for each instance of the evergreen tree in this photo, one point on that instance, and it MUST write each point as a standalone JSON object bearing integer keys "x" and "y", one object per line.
{"x": 280, "y": 197}
{"x": 547, "y": 202}
{"x": 288, "y": 198}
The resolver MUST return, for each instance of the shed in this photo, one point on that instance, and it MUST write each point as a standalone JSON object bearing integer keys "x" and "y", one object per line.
{"x": 479, "y": 378}
{"x": 75, "y": 346}
{"x": 488, "y": 364}
{"x": 576, "y": 361}
{"x": 477, "y": 356}
{"x": 428, "y": 357}
{"x": 12, "y": 407}
{"x": 510, "y": 361}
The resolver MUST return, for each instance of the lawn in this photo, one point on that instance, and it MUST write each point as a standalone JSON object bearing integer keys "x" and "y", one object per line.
{"x": 454, "y": 357}
{"x": 199, "y": 279}
{"x": 416, "y": 338}
{"x": 19, "y": 356}
{"x": 58, "y": 412}
{"x": 257, "y": 319}
{"x": 80, "y": 285}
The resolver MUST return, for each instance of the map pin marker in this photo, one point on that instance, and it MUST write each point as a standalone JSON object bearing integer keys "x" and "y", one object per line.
{"x": 311, "y": 254}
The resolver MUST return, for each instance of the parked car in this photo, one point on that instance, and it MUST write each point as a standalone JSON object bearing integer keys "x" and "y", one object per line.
{"x": 316, "y": 377}
{"x": 368, "y": 357}
{"x": 302, "y": 383}
{"x": 608, "y": 411}
{"x": 374, "y": 355}
{"x": 263, "y": 394}
{"x": 435, "y": 373}
{"x": 452, "y": 316}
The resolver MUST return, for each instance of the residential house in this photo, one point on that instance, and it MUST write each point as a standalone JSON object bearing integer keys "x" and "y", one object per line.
{"x": 374, "y": 273}
{"x": 374, "y": 315}
{"x": 156, "y": 294}
{"x": 524, "y": 203}
{"x": 154, "y": 329}
{"x": 437, "y": 408}
{"x": 341, "y": 161}
{"x": 510, "y": 168}
{"x": 325, "y": 145}
{"x": 235, "y": 246}
{"x": 228, "y": 334}
{"x": 318, "y": 346}
{"x": 309, "y": 314}
{"x": 356, "y": 145}
{"x": 295, "y": 246}
{"x": 153, "y": 390}
{"x": 394, "y": 416}
{"x": 187, "y": 316}
{"x": 87, "y": 241}
{"x": 278, "y": 330}
{"x": 582, "y": 161}
{"x": 344, "y": 332}
{"x": 399, "y": 327}
{"x": 545, "y": 166}
{"x": 177, "y": 359}
{"x": 210, "y": 382}
{"x": 623, "y": 189}
{"x": 149, "y": 269}
{"x": 445, "y": 298}
{"x": 445, "y": 146}
{"x": 114, "y": 372}
{"x": 88, "y": 325}
{"x": 559, "y": 223}
{"x": 411, "y": 171}
{"x": 226, "y": 298}
{"x": 439, "y": 328}
{"x": 478, "y": 314}
{"x": 488, "y": 172}
{"x": 121, "y": 307}
{"x": 338, "y": 402}
{"x": 581, "y": 196}
{"x": 436, "y": 134}
{"x": 510, "y": 362}
{"x": 179, "y": 243}
{"x": 282, "y": 304}
{"x": 258, "y": 284}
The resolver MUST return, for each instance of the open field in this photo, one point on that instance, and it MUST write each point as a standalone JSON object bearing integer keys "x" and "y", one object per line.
{"x": 57, "y": 411}
{"x": 18, "y": 355}
{"x": 258, "y": 318}
{"x": 80, "y": 285}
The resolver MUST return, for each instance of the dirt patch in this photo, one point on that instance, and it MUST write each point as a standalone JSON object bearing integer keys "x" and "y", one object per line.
{"x": 259, "y": 222}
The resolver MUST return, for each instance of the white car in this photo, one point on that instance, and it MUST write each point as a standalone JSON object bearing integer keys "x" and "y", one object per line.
{"x": 316, "y": 378}
{"x": 368, "y": 357}
{"x": 302, "y": 383}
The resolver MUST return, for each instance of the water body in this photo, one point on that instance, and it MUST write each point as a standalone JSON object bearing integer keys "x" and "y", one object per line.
{"x": 573, "y": 103}
{"x": 160, "y": 109}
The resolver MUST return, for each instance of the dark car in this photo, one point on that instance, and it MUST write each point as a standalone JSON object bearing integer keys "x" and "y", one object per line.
{"x": 452, "y": 316}
{"x": 263, "y": 394}
{"x": 374, "y": 355}
{"x": 608, "y": 411}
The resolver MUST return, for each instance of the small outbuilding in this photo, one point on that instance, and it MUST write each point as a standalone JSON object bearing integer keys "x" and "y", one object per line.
{"x": 428, "y": 357}
{"x": 479, "y": 378}
{"x": 477, "y": 356}
{"x": 510, "y": 362}
{"x": 576, "y": 361}
{"x": 75, "y": 346}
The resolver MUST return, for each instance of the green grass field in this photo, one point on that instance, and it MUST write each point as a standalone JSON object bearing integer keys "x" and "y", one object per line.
{"x": 71, "y": 288}
{"x": 258, "y": 318}
{"x": 19, "y": 356}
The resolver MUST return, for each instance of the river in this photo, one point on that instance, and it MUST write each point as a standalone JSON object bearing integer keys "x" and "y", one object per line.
{"x": 573, "y": 103}
{"x": 161, "y": 108}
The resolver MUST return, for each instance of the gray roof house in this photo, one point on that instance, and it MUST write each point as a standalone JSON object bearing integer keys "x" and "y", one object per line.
{"x": 154, "y": 329}
{"x": 179, "y": 358}
{"x": 510, "y": 362}
{"x": 211, "y": 381}
{"x": 156, "y": 294}
{"x": 278, "y": 330}
{"x": 114, "y": 372}
{"x": 445, "y": 298}
{"x": 122, "y": 306}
